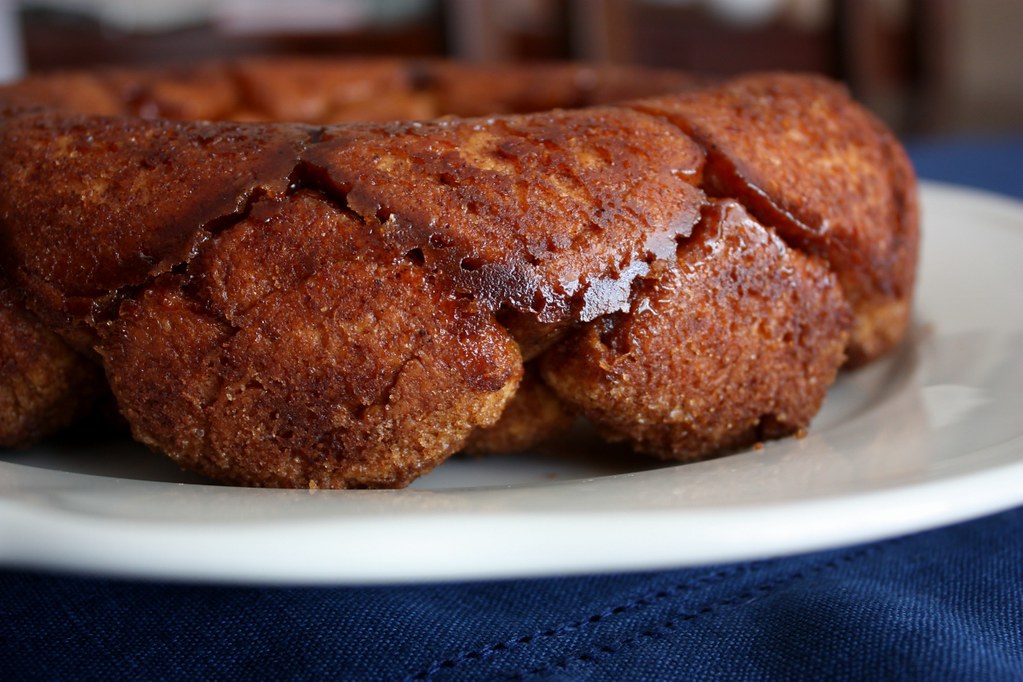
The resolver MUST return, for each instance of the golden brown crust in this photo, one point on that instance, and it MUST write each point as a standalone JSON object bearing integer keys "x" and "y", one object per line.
{"x": 326, "y": 91}
{"x": 125, "y": 199}
{"x": 553, "y": 214}
{"x": 736, "y": 344}
{"x": 342, "y": 305}
{"x": 306, "y": 373}
{"x": 533, "y": 415}
{"x": 808, "y": 161}
{"x": 44, "y": 384}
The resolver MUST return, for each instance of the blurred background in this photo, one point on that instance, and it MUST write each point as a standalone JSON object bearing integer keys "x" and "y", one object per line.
{"x": 926, "y": 66}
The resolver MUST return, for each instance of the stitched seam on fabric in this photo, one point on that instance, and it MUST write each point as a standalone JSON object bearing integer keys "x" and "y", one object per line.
{"x": 665, "y": 627}
{"x": 647, "y": 599}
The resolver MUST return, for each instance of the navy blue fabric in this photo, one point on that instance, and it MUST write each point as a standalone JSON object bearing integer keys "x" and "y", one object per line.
{"x": 941, "y": 605}
{"x": 992, "y": 163}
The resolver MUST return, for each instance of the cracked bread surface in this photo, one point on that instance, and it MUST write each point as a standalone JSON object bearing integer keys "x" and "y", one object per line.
{"x": 826, "y": 176}
{"x": 263, "y": 375}
{"x": 735, "y": 344}
{"x": 309, "y": 303}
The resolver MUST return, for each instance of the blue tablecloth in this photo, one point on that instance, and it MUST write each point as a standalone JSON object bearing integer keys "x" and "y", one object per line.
{"x": 941, "y": 605}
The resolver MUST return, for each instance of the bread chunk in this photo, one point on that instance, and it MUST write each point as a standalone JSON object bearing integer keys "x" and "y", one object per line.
{"x": 807, "y": 160}
{"x": 306, "y": 373}
{"x": 45, "y": 384}
{"x": 736, "y": 344}
{"x": 283, "y": 292}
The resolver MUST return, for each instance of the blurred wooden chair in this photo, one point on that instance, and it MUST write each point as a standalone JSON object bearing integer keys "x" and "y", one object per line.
{"x": 892, "y": 53}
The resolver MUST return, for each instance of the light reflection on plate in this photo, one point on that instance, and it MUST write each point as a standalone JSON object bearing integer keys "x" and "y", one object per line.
{"x": 930, "y": 435}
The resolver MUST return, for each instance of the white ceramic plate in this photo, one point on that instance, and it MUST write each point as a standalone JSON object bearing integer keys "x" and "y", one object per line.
{"x": 931, "y": 435}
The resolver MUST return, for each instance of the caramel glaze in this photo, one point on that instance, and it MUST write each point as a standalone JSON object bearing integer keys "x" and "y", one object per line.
{"x": 321, "y": 304}
{"x": 735, "y": 344}
{"x": 827, "y": 176}
{"x": 333, "y": 346}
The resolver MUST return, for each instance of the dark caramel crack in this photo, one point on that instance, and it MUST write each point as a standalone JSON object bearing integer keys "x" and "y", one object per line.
{"x": 555, "y": 214}
{"x": 822, "y": 172}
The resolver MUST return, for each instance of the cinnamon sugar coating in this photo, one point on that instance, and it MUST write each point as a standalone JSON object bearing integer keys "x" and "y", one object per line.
{"x": 737, "y": 343}
{"x": 826, "y": 175}
{"x": 280, "y": 298}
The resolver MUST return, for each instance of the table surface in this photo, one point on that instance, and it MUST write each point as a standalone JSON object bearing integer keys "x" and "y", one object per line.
{"x": 943, "y": 604}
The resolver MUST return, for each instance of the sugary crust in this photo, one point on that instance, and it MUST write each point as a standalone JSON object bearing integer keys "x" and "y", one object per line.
{"x": 533, "y": 415}
{"x": 326, "y": 91}
{"x": 826, "y": 175}
{"x": 126, "y": 199}
{"x": 44, "y": 383}
{"x": 736, "y": 344}
{"x": 553, "y": 214}
{"x": 306, "y": 371}
{"x": 312, "y": 303}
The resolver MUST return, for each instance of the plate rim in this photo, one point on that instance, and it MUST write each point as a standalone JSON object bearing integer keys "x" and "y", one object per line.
{"x": 217, "y": 551}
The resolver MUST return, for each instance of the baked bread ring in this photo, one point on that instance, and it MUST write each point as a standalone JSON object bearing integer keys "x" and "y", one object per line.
{"x": 280, "y": 299}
